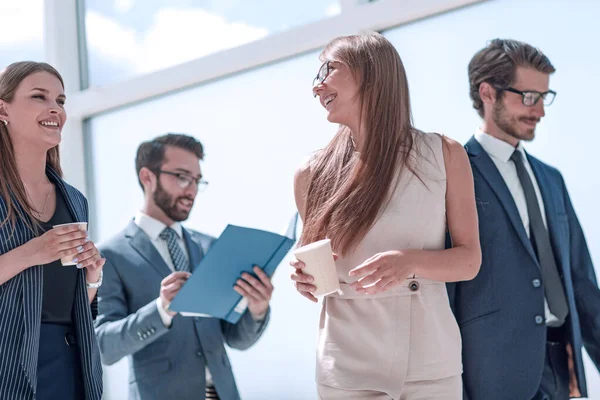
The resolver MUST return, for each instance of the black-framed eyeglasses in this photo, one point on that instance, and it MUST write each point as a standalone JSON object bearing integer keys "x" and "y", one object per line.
{"x": 184, "y": 180}
{"x": 531, "y": 97}
{"x": 323, "y": 73}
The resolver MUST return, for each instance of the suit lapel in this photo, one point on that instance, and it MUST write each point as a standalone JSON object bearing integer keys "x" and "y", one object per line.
{"x": 76, "y": 210}
{"x": 142, "y": 244}
{"x": 194, "y": 250}
{"x": 482, "y": 161}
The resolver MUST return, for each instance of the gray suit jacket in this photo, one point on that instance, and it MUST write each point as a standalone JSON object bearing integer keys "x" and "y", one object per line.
{"x": 165, "y": 362}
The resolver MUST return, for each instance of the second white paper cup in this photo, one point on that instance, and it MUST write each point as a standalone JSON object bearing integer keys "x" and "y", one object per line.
{"x": 66, "y": 261}
{"x": 318, "y": 260}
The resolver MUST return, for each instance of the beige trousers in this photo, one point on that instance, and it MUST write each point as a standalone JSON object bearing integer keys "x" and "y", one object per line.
{"x": 436, "y": 389}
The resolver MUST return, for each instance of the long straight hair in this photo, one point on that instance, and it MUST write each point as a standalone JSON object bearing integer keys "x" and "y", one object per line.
{"x": 12, "y": 189}
{"x": 346, "y": 193}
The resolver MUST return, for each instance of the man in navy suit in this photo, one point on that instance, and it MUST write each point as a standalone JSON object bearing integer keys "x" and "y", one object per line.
{"x": 171, "y": 356}
{"x": 535, "y": 302}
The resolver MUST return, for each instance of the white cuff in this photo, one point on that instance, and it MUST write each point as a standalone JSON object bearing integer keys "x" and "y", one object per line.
{"x": 261, "y": 317}
{"x": 166, "y": 318}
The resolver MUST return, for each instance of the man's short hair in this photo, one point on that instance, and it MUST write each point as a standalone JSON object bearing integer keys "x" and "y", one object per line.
{"x": 497, "y": 65}
{"x": 150, "y": 154}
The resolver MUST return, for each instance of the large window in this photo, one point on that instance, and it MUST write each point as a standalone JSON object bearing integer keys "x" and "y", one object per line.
{"x": 21, "y": 31}
{"x": 257, "y": 128}
{"x": 129, "y": 37}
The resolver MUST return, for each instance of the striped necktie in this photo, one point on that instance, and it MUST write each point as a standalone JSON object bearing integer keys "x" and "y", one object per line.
{"x": 180, "y": 260}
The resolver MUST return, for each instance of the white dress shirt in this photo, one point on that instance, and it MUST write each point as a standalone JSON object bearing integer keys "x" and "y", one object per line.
{"x": 153, "y": 228}
{"x": 500, "y": 152}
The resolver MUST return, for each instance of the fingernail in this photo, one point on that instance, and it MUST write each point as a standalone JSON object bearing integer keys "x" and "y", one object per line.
{"x": 311, "y": 279}
{"x": 80, "y": 249}
{"x": 87, "y": 239}
{"x": 75, "y": 260}
{"x": 79, "y": 265}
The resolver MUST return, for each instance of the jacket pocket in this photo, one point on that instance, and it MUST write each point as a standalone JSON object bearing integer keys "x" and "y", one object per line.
{"x": 149, "y": 369}
{"x": 563, "y": 222}
{"x": 477, "y": 318}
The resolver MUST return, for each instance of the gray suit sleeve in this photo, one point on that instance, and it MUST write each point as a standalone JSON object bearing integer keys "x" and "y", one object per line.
{"x": 121, "y": 333}
{"x": 246, "y": 332}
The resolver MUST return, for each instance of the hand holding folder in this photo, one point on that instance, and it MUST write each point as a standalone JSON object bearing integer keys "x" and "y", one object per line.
{"x": 209, "y": 291}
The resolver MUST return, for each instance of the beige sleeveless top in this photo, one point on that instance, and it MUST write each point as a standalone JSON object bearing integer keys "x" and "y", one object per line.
{"x": 377, "y": 342}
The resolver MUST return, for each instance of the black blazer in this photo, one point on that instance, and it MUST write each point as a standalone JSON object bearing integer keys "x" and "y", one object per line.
{"x": 21, "y": 312}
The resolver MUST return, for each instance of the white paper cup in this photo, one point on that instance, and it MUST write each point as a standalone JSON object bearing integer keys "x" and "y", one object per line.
{"x": 66, "y": 261}
{"x": 318, "y": 260}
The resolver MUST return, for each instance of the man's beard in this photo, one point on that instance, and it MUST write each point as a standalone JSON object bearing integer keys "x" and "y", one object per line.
{"x": 509, "y": 123}
{"x": 169, "y": 205}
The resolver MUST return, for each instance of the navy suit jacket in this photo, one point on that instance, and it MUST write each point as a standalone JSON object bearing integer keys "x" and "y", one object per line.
{"x": 165, "y": 362}
{"x": 21, "y": 312}
{"x": 503, "y": 341}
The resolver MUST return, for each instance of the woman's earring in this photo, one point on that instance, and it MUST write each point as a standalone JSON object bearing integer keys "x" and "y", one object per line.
{"x": 5, "y": 122}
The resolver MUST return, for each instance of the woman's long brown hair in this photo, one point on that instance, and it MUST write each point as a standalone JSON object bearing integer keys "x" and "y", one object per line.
{"x": 347, "y": 192}
{"x": 12, "y": 189}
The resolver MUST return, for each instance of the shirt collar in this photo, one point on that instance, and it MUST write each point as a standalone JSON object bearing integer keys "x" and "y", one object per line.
{"x": 153, "y": 227}
{"x": 497, "y": 148}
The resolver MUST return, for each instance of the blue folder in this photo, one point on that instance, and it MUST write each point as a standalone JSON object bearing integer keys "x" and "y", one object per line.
{"x": 209, "y": 291}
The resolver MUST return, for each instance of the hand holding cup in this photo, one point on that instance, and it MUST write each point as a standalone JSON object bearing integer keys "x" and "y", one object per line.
{"x": 316, "y": 274}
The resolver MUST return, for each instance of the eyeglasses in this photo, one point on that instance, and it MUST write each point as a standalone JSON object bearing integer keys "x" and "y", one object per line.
{"x": 531, "y": 97}
{"x": 323, "y": 73}
{"x": 184, "y": 180}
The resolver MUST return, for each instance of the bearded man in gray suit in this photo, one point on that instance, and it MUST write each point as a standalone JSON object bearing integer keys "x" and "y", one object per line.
{"x": 171, "y": 356}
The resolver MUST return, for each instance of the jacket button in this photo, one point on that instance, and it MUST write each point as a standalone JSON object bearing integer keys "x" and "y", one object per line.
{"x": 539, "y": 319}
{"x": 536, "y": 283}
{"x": 414, "y": 286}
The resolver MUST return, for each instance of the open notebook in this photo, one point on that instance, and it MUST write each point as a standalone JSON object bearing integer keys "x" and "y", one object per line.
{"x": 209, "y": 291}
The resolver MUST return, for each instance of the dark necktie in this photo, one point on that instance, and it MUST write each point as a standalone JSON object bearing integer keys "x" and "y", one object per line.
{"x": 538, "y": 234}
{"x": 180, "y": 260}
